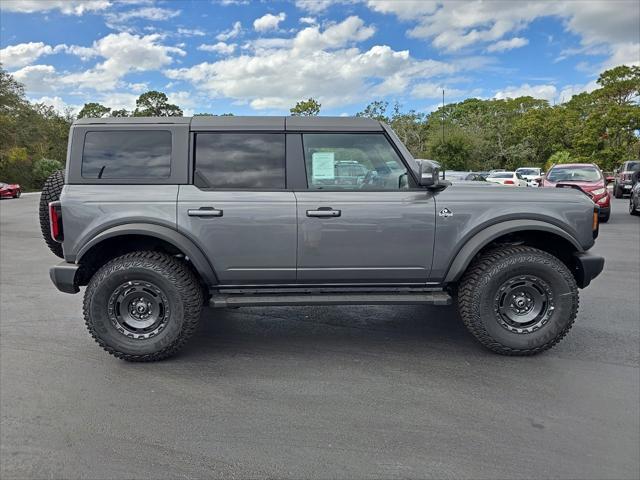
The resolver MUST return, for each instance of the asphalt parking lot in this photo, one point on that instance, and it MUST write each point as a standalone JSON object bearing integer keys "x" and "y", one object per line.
{"x": 317, "y": 392}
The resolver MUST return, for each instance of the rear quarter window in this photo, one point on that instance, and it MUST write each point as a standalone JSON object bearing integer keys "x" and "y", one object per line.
{"x": 127, "y": 154}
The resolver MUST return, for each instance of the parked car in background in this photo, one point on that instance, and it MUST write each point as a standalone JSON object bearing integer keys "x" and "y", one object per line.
{"x": 533, "y": 175}
{"x": 586, "y": 177}
{"x": 464, "y": 176}
{"x": 634, "y": 198}
{"x": 10, "y": 190}
{"x": 624, "y": 178}
{"x": 512, "y": 179}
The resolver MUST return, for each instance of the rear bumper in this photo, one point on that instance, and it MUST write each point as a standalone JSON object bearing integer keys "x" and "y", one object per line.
{"x": 587, "y": 267}
{"x": 63, "y": 277}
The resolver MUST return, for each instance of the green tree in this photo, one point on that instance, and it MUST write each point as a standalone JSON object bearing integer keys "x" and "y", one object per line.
{"x": 376, "y": 110}
{"x": 44, "y": 167}
{"x": 306, "y": 108}
{"x": 93, "y": 110}
{"x": 155, "y": 104}
{"x": 120, "y": 113}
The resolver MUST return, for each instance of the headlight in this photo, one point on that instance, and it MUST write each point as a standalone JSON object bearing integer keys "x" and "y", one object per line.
{"x": 599, "y": 191}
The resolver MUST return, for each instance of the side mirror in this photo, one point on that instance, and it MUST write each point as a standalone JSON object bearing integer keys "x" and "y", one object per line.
{"x": 429, "y": 173}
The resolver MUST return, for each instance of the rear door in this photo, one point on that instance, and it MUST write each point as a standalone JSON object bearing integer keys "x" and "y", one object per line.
{"x": 361, "y": 218}
{"x": 238, "y": 208}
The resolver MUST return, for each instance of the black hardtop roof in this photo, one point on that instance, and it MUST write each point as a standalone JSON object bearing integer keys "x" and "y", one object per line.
{"x": 210, "y": 123}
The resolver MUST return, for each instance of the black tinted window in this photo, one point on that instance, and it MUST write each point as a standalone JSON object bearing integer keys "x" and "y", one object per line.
{"x": 240, "y": 160}
{"x": 130, "y": 154}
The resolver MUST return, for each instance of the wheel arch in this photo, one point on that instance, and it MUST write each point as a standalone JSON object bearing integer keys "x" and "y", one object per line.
{"x": 126, "y": 238}
{"x": 539, "y": 234}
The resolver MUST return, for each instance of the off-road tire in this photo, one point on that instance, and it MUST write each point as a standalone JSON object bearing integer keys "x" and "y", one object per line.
{"x": 50, "y": 193}
{"x": 174, "y": 278}
{"x": 479, "y": 289}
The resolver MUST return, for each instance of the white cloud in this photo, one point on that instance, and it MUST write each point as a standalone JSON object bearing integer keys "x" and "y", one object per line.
{"x": 22, "y": 54}
{"x": 315, "y": 63}
{"x": 233, "y": 32}
{"x": 268, "y": 22}
{"x": 504, "y": 45}
{"x": 124, "y": 53}
{"x": 434, "y": 90}
{"x": 67, "y": 7}
{"x": 546, "y": 92}
{"x": 58, "y": 104}
{"x": 220, "y": 47}
{"x": 569, "y": 91}
{"x": 146, "y": 13}
{"x": 37, "y": 78}
{"x": 315, "y": 6}
{"x": 191, "y": 32}
{"x": 308, "y": 20}
{"x": 467, "y": 24}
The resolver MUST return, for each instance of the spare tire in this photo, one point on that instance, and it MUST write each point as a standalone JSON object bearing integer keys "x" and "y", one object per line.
{"x": 50, "y": 193}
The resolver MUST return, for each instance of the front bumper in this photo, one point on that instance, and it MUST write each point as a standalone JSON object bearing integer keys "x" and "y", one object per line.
{"x": 64, "y": 275}
{"x": 587, "y": 267}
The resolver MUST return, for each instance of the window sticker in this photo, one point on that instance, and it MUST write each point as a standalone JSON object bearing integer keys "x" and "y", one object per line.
{"x": 323, "y": 165}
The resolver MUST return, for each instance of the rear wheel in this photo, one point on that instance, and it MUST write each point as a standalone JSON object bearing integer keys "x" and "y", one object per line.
{"x": 50, "y": 193}
{"x": 143, "y": 306}
{"x": 518, "y": 300}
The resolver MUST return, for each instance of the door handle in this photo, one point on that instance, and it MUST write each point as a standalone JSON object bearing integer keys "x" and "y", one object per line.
{"x": 204, "y": 212}
{"x": 324, "y": 212}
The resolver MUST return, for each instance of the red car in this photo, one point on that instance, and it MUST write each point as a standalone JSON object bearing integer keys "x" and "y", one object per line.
{"x": 10, "y": 190}
{"x": 586, "y": 177}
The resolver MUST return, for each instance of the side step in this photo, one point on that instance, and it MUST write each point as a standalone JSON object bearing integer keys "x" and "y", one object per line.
{"x": 222, "y": 300}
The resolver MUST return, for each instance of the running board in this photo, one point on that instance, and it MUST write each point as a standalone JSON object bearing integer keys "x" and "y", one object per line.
{"x": 219, "y": 300}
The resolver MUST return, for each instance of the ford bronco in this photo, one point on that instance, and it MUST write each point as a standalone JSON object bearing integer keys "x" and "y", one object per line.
{"x": 159, "y": 217}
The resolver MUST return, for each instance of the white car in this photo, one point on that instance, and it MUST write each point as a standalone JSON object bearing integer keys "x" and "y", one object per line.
{"x": 510, "y": 179}
{"x": 532, "y": 175}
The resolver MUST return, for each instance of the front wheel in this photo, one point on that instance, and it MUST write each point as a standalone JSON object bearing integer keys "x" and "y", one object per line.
{"x": 518, "y": 300}
{"x": 17, "y": 194}
{"x": 143, "y": 306}
{"x": 632, "y": 207}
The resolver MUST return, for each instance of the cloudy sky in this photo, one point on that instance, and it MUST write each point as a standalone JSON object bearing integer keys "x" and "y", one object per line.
{"x": 260, "y": 57}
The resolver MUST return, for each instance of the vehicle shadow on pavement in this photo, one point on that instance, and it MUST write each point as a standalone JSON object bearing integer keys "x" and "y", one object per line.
{"x": 303, "y": 331}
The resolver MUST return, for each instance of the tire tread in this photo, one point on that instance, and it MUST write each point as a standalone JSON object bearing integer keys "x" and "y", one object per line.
{"x": 476, "y": 275}
{"x": 177, "y": 273}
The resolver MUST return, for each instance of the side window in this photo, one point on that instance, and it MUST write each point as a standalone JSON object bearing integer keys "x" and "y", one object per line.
{"x": 240, "y": 160}
{"x": 127, "y": 154}
{"x": 352, "y": 161}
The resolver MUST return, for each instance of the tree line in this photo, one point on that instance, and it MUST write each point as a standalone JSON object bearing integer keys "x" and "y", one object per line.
{"x": 602, "y": 127}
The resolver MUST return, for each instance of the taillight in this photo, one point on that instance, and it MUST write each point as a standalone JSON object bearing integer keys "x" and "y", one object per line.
{"x": 594, "y": 225}
{"x": 509, "y": 182}
{"x": 55, "y": 221}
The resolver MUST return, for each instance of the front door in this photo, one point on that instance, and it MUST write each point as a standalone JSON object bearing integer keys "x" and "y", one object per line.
{"x": 238, "y": 209}
{"x": 361, "y": 220}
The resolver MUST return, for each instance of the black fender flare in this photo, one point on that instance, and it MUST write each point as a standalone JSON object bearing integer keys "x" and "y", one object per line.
{"x": 477, "y": 242}
{"x": 175, "y": 238}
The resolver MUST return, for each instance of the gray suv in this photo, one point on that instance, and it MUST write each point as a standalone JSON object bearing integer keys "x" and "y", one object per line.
{"x": 159, "y": 217}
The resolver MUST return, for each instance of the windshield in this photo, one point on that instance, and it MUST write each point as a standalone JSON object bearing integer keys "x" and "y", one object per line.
{"x": 501, "y": 175}
{"x": 528, "y": 171}
{"x": 632, "y": 166}
{"x": 574, "y": 174}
